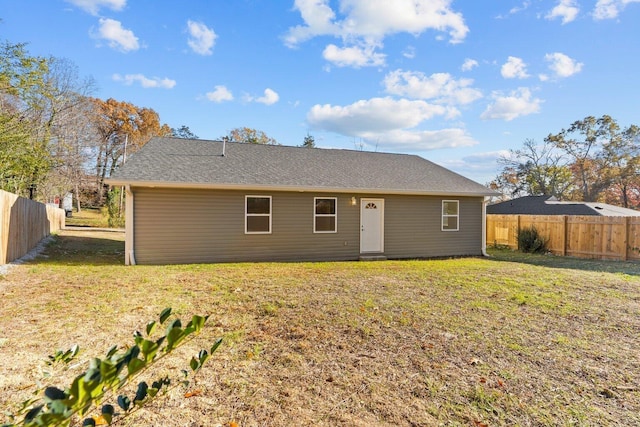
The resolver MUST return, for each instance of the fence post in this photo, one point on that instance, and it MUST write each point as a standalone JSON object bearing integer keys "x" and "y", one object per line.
{"x": 517, "y": 231}
{"x": 564, "y": 235}
{"x": 625, "y": 239}
{"x": 4, "y": 226}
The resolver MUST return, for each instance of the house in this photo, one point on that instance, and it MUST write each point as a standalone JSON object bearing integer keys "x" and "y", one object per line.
{"x": 198, "y": 201}
{"x": 549, "y": 205}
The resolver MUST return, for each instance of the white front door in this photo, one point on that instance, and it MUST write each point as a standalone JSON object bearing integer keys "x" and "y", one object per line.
{"x": 371, "y": 225}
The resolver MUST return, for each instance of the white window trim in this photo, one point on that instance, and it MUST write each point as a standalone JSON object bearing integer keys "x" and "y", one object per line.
{"x": 246, "y": 214}
{"x": 457, "y": 216}
{"x": 315, "y": 215}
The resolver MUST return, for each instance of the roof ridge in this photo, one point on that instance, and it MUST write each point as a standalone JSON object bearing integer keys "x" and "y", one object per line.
{"x": 285, "y": 146}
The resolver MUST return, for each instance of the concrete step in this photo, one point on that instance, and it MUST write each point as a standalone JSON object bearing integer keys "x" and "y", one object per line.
{"x": 373, "y": 258}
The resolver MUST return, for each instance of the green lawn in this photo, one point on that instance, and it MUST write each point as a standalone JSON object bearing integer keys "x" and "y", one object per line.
{"x": 508, "y": 340}
{"x": 89, "y": 218}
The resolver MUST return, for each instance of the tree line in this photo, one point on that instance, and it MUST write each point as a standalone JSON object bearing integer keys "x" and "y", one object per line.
{"x": 55, "y": 137}
{"x": 593, "y": 160}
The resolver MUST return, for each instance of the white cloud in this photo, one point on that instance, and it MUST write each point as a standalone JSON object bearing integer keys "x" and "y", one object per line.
{"x": 514, "y": 10}
{"x": 441, "y": 87}
{"x": 607, "y": 9}
{"x": 117, "y": 36}
{"x": 373, "y": 115}
{"x": 355, "y": 57}
{"x": 610, "y": 9}
{"x": 145, "y": 82}
{"x": 93, "y": 6}
{"x": 386, "y": 122}
{"x": 377, "y": 18}
{"x": 201, "y": 38}
{"x": 562, "y": 65}
{"x": 565, "y": 9}
{"x": 270, "y": 97}
{"x": 514, "y": 68}
{"x": 220, "y": 94}
{"x": 469, "y": 64}
{"x": 419, "y": 140}
{"x": 480, "y": 159}
{"x": 478, "y": 164}
{"x": 318, "y": 17}
{"x": 409, "y": 52}
{"x": 372, "y": 20}
{"x": 525, "y": 5}
{"x": 518, "y": 103}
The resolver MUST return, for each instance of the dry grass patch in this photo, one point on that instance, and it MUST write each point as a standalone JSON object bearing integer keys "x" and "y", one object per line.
{"x": 465, "y": 342}
{"x": 89, "y": 217}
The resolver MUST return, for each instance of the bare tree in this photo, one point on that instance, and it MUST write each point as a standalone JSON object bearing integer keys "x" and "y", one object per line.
{"x": 534, "y": 170}
{"x": 582, "y": 142}
{"x": 72, "y": 135}
{"x": 183, "y": 132}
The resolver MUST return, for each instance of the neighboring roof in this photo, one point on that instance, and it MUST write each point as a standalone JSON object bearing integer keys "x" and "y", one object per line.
{"x": 195, "y": 163}
{"x": 549, "y": 205}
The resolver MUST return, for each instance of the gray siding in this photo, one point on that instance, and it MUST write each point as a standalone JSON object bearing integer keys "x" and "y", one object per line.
{"x": 413, "y": 227}
{"x": 195, "y": 226}
{"x": 203, "y": 226}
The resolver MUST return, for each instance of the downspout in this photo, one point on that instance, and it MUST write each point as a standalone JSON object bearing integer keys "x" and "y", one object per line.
{"x": 485, "y": 201}
{"x": 129, "y": 256}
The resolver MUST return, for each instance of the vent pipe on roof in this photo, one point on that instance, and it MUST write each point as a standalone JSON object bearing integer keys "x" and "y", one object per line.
{"x": 224, "y": 144}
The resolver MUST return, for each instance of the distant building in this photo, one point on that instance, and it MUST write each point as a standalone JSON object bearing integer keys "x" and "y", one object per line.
{"x": 549, "y": 205}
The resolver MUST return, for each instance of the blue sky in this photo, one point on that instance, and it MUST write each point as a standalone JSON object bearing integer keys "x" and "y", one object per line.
{"x": 456, "y": 82}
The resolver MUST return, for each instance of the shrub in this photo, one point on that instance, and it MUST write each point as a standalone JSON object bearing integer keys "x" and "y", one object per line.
{"x": 531, "y": 241}
{"x": 91, "y": 398}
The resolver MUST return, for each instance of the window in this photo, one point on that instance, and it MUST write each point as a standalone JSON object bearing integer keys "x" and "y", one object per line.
{"x": 324, "y": 215}
{"x": 257, "y": 218}
{"x": 450, "y": 215}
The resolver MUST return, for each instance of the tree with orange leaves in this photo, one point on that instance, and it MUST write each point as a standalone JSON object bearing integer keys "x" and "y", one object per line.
{"x": 251, "y": 136}
{"x": 123, "y": 129}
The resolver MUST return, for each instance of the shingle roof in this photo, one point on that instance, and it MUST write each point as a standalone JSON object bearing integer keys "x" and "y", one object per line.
{"x": 548, "y": 205}
{"x": 179, "y": 162}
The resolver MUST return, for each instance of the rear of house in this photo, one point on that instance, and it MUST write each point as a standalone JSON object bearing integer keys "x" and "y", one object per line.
{"x": 194, "y": 201}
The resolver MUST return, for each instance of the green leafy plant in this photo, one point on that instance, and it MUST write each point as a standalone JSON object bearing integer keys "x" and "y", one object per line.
{"x": 87, "y": 399}
{"x": 531, "y": 241}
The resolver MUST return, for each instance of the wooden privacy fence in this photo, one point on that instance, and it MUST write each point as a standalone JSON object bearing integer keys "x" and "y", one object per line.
{"x": 23, "y": 223}
{"x": 602, "y": 237}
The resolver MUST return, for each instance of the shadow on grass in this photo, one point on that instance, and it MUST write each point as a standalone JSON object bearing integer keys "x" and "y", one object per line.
{"x": 554, "y": 261}
{"x": 87, "y": 247}
{"x": 82, "y": 249}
